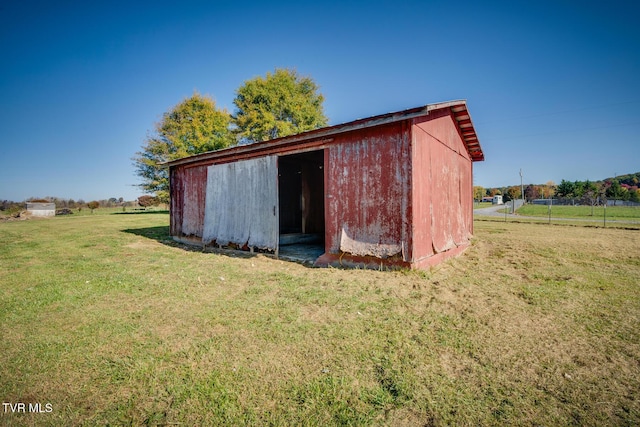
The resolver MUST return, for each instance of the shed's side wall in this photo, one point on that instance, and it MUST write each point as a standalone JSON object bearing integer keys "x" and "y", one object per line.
{"x": 368, "y": 181}
{"x": 442, "y": 191}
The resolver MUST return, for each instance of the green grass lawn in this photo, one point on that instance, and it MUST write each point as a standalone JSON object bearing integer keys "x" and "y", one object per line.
{"x": 479, "y": 205}
{"x": 585, "y": 212}
{"x": 111, "y": 323}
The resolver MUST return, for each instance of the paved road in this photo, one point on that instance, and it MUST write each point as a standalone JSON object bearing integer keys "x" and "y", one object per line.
{"x": 493, "y": 210}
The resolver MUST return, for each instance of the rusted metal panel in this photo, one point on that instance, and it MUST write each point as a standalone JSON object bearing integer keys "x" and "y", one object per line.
{"x": 368, "y": 182}
{"x": 194, "y": 182}
{"x": 241, "y": 203}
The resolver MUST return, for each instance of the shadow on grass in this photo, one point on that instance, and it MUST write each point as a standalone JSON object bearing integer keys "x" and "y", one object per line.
{"x": 161, "y": 234}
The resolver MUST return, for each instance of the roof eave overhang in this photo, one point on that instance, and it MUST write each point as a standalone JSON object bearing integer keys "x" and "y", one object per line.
{"x": 467, "y": 131}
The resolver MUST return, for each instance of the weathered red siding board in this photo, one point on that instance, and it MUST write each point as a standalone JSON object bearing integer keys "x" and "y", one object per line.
{"x": 176, "y": 185}
{"x": 188, "y": 190}
{"x": 466, "y": 195}
{"x": 367, "y": 193}
{"x": 440, "y": 199}
{"x": 195, "y": 185}
{"x": 421, "y": 194}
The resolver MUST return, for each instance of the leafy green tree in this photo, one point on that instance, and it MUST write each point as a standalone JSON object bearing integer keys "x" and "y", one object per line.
{"x": 579, "y": 189}
{"x": 614, "y": 191}
{"x": 280, "y": 104}
{"x": 193, "y": 126}
{"x": 590, "y": 192}
{"x": 566, "y": 190}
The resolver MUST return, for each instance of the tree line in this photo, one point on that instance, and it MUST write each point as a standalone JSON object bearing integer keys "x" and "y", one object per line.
{"x": 587, "y": 192}
{"x": 9, "y": 206}
{"x": 625, "y": 187}
{"x": 280, "y": 104}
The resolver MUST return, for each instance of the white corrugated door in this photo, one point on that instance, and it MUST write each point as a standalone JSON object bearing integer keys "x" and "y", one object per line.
{"x": 241, "y": 204}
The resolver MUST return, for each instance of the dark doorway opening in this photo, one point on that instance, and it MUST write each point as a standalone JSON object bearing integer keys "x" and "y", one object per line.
{"x": 301, "y": 205}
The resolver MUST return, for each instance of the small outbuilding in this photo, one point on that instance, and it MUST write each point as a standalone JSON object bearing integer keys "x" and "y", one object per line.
{"x": 392, "y": 190}
{"x": 41, "y": 209}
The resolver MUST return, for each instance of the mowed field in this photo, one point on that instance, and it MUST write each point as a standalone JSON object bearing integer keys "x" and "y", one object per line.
{"x": 596, "y": 213}
{"x": 106, "y": 321}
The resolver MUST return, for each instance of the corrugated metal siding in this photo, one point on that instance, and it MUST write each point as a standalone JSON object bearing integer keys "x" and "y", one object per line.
{"x": 241, "y": 203}
{"x": 368, "y": 182}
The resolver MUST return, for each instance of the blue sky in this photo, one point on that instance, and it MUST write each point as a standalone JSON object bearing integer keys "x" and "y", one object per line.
{"x": 552, "y": 86}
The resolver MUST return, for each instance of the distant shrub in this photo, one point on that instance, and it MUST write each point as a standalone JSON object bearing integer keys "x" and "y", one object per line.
{"x": 93, "y": 205}
{"x": 146, "y": 201}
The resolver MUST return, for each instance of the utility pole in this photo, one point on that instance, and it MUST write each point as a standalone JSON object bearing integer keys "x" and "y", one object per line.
{"x": 521, "y": 187}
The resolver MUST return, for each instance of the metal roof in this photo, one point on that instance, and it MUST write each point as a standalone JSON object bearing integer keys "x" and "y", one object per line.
{"x": 325, "y": 134}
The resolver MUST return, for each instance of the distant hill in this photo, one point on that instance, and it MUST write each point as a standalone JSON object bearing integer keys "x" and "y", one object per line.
{"x": 631, "y": 179}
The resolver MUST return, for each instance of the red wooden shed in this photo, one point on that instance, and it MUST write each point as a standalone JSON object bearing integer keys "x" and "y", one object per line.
{"x": 393, "y": 190}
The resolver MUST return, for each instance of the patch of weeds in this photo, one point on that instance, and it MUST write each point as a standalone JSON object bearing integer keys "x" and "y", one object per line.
{"x": 450, "y": 331}
{"x": 393, "y": 382}
{"x": 328, "y": 400}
